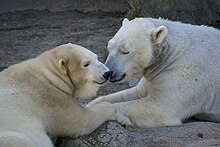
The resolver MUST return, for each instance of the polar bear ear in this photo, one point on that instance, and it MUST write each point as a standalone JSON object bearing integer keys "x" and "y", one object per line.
{"x": 125, "y": 21}
{"x": 62, "y": 65}
{"x": 159, "y": 34}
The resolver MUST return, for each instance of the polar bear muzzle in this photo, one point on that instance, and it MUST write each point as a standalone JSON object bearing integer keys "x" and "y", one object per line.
{"x": 114, "y": 65}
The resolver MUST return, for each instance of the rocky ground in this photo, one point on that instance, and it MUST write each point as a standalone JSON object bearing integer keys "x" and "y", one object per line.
{"x": 26, "y": 34}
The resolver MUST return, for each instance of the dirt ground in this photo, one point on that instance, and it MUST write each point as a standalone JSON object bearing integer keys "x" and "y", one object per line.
{"x": 26, "y": 34}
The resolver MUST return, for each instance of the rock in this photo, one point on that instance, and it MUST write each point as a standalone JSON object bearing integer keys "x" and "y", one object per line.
{"x": 2, "y": 67}
{"x": 189, "y": 11}
{"x": 84, "y": 6}
{"x": 205, "y": 143}
{"x": 112, "y": 134}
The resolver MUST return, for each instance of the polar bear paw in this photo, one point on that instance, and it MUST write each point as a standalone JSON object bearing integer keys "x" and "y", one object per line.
{"x": 95, "y": 101}
{"x": 122, "y": 119}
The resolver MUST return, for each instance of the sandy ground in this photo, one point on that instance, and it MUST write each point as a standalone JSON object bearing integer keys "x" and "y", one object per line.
{"x": 26, "y": 34}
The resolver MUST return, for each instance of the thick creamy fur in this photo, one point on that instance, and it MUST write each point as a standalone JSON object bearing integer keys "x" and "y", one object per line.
{"x": 179, "y": 64}
{"x": 37, "y": 97}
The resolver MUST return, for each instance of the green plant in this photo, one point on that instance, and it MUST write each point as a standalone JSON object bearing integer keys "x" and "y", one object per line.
{"x": 135, "y": 7}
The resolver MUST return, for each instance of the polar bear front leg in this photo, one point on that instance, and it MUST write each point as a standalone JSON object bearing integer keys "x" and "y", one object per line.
{"x": 147, "y": 112}
{"x": 133, "y": 93}
{"x": 121, "y": 96}
{"x": 106, "y": 111}
{"x": 96, "y": 115}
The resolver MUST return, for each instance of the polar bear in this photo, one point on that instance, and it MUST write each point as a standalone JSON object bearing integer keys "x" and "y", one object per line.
{"x": 180, "y": 68}
{"x": 37, "y": 97}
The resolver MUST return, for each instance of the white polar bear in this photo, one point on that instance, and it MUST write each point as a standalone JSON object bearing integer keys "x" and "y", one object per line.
{"x": 180, "y": 68}
{"x": 37, "y": 97}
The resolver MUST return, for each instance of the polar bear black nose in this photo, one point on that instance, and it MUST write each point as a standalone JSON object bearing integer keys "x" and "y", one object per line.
{"x": 107, "y": 75}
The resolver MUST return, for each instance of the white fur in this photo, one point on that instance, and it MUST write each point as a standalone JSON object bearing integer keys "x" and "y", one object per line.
{"x": 180, "y": 69}
{"x": 125, "y": 21}
{"x": 38, "y": 97}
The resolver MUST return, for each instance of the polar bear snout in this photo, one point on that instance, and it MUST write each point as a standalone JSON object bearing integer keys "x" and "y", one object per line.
{"x": 104, "y": 78}
{"x": 101, "y": 73}
{"x": 117, "y": 77}
{"x": 107, "y": 75}
{"x": 115, "y": 65}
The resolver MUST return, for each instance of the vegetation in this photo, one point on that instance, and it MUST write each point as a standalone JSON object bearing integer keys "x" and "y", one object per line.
{"x": 135, "y": 7}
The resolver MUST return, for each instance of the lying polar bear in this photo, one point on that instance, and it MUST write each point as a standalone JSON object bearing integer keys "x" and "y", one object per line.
{"x": 180, "y": 68}
{"x": 37, "y": 96}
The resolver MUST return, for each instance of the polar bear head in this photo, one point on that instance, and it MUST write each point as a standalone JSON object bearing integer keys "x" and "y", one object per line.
{"x": 132, "y": 49}
{"x": 80, "y": 68}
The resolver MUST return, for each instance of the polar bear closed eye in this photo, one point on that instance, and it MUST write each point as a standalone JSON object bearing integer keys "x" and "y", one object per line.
{"x": 179, "y": 64}
{"x": 38, "y": 96}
